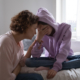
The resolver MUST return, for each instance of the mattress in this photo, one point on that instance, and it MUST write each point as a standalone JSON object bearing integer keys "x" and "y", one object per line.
{"x": 73, "y": 74}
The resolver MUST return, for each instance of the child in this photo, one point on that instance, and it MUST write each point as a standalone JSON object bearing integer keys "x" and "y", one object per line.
{"x": 56, "y": 38}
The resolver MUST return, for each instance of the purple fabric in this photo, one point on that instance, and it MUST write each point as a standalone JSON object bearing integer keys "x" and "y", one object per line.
{"x": 58, "y": 45}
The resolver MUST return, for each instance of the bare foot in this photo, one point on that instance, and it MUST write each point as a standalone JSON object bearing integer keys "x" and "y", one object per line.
{"x": 41, "y": 68}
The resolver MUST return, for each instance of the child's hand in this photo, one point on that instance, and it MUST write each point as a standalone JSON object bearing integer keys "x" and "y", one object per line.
{"x": 51, "y": 73}
{"x": 41, "y": 32}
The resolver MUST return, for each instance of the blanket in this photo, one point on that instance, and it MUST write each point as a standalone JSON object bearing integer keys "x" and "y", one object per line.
{"x": 73, "y": 74}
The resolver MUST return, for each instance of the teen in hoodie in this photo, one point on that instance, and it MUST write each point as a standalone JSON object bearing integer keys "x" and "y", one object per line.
{"x": 56, "y": 38}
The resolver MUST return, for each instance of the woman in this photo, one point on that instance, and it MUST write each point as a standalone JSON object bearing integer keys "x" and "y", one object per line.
{"x": 23, "y": 26}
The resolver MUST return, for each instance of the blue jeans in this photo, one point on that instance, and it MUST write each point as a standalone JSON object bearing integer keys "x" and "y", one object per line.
{"x": 29, "y": 76}
{"x": 74, "y": 62}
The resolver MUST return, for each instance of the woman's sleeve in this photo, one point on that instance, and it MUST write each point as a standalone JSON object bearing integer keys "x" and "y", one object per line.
{"x": 63, "y": 50}
{"x": 36, "y": 51}
{"x": 6, "y": 57}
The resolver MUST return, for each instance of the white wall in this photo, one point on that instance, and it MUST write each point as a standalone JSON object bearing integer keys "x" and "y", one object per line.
{"x": 1, "y": 16}
{"x": 75, "y": 45}
{"x": 9, "y": 8}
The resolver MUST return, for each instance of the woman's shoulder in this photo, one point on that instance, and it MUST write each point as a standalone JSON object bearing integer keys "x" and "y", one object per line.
{"x": 5, "y": 39}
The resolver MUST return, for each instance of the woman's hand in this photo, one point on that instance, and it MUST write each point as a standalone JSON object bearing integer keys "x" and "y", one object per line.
{"x": 41, "y": 32}
{"x": 51, "y": 73}
{"x": 17, "y": 70}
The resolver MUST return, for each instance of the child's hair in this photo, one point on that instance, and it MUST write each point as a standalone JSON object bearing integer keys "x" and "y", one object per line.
{"x": 43, "y": 23}
{"x": 21, "y": 21}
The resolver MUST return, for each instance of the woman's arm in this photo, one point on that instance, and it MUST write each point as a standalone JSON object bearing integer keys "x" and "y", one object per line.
{"x": 17, "y": 70}
{"x": 28, "y": 54}
{"x": 38, "y": 47}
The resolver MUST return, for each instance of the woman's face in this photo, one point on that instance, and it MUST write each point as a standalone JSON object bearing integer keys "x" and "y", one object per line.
{"x": 46, "y": 26}
{"x": 31, "y": 31}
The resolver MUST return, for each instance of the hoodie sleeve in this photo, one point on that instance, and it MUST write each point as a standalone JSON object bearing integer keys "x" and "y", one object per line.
{"x": 6, "y": 58}
{"x": 36, "y": 51}
{"x": 63, "y": 50}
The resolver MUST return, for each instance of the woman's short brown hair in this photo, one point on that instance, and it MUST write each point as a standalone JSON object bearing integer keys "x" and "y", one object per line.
{"x": 21, "y": 21}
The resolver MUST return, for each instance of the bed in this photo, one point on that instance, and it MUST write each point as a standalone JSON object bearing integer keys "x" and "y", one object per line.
{"x": 72, "y": 74}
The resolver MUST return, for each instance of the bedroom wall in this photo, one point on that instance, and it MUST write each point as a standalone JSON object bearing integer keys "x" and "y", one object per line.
{"x": 75, "y": 45}
{"x": 1, "y": 16}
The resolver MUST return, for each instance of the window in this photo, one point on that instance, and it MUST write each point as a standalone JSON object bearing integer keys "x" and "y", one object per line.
{"x": 70, "y": 13}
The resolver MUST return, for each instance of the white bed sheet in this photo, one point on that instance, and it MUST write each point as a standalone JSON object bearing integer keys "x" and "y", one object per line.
{"x": 73, "y": 74}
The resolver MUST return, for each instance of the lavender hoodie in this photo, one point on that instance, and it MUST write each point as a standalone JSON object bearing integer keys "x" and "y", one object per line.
{"x": 58, "y": 45}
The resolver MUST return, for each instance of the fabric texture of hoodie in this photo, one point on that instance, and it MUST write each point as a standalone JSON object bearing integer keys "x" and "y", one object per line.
{"x": 58, "y": 45}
